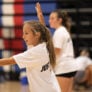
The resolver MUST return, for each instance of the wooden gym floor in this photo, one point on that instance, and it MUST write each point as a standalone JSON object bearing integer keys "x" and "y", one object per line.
{"x": 14, "y": 86}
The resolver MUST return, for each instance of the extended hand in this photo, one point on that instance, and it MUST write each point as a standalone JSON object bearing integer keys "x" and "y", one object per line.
{"x": 38, "y": 8}
{"x": 39, "y": 13}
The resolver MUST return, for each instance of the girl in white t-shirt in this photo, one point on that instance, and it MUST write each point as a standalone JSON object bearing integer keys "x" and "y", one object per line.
{"x": 38, "y": 60}
{"x": 66, "y": 67}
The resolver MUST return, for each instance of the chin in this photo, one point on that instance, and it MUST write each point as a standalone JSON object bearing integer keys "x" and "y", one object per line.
{"x": 52, "y": 26}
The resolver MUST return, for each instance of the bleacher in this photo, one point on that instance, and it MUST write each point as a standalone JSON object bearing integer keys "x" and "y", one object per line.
{"x": 14, "y": 12}
{"x": 81, "y": 14}
{"x": 12, "y": 15}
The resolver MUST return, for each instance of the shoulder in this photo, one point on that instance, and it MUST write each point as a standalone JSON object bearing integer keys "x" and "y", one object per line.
{"x": 39, "y": 49}
{"x": 80, "y": 58}
{"x": 61, "y": 31}
{"x": 83, "y": 58}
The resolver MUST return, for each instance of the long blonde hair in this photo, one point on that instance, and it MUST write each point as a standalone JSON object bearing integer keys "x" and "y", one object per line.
{"x": 45, "y": 37}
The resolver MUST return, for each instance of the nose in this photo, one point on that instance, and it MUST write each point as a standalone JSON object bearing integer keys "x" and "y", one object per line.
{"x": 49, "y": 21}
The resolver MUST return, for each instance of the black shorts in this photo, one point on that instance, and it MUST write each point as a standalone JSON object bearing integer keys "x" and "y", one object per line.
{"x": 68, "y": 75}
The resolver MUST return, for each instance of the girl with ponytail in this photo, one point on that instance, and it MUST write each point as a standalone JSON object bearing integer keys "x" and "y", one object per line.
{"x": 38, "y": 59}
{"x": 65, "y": 67}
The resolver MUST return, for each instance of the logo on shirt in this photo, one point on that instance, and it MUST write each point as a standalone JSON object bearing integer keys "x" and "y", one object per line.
{"x": 45, "y": 67}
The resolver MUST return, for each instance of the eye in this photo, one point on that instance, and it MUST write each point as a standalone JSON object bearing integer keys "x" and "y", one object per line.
{"x": 26, "y": 33}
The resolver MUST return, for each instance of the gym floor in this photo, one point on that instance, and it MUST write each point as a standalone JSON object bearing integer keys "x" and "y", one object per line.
{"x": 14, "y": 86}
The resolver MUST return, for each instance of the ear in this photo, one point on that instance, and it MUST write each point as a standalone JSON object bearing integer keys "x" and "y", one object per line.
{"x": 60, "y": 20}
{"x": 38, "y": 34}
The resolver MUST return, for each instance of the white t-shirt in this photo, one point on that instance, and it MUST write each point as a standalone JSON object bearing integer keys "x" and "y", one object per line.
{"x": 83, "y": 62}
{"x": 40, "y": 75}
{"x": 66, "y": 62}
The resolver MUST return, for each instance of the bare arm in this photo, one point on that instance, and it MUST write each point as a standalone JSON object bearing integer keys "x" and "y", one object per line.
{"x": 7, "y": 61}
{"x": 57, "y": 52}
{"x": 39, "y": 13}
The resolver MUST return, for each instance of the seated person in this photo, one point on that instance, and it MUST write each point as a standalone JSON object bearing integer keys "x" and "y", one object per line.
{"x": 84, "y": 74}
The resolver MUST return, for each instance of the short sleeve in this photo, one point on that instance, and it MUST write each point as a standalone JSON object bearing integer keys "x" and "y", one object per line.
{"x": 27, "y": 59}
{"x": 58, "y": 39}
{"x": 88, "y": 61}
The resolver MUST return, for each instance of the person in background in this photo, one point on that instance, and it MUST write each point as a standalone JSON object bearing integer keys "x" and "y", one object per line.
{"x": 84, "y": 74}
{"x": 66, "y": 67}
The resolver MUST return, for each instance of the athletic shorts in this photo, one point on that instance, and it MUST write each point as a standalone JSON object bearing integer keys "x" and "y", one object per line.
{"x": 68, "y": 75}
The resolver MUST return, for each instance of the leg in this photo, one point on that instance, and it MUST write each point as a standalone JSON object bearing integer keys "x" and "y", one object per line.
{"x": 70, "y": 88}
{"x": 65, "y": 84}
{"x": 89, "y": 73}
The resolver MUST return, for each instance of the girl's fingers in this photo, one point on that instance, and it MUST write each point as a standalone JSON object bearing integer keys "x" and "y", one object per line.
{"x": 38, "y": 7}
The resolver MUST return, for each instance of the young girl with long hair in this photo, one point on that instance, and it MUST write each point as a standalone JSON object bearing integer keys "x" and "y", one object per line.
{"x": 39, "y": 59}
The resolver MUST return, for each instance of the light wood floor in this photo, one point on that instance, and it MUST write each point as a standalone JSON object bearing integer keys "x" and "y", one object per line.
{"x": 17, "y": 87}
{"x": 13, "y": 87}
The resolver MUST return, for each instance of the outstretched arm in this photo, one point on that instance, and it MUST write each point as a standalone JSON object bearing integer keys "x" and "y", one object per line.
{"x": 7, "y": 61}
{"x": 39, "y": 13}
